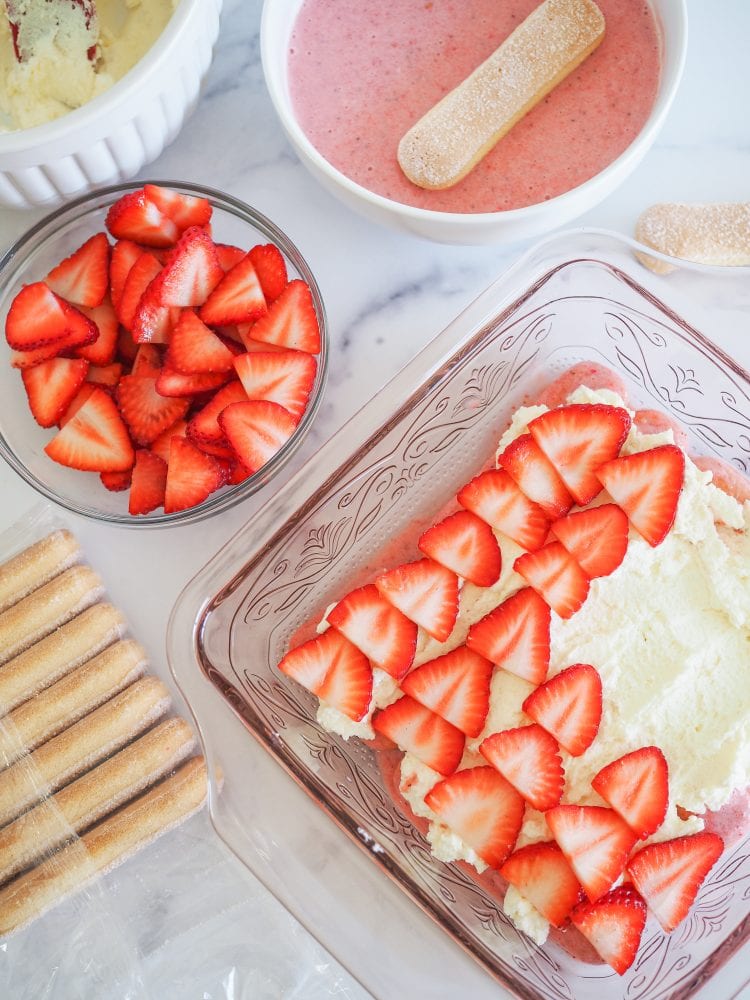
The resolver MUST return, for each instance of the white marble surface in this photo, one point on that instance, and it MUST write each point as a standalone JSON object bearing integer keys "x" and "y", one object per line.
{"x": 386, "y": 296}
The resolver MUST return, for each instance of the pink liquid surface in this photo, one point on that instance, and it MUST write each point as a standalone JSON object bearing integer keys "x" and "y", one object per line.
{"x": 362, "y": 73}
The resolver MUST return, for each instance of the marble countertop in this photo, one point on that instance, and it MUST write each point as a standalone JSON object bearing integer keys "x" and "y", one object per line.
{"x": 387, "y": 295}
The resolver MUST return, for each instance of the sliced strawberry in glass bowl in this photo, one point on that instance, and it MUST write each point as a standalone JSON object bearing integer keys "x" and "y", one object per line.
{"x": 149, "y": 298}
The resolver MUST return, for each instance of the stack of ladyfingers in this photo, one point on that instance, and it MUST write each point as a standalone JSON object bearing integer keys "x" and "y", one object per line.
{"x": 91, "y": 766}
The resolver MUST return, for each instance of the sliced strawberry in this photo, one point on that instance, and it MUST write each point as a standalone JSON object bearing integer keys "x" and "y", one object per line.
{"x": 556, "y": 576}
{"x": 597, "y": 538}
{"x": 543, "y": 877}
{"x": 495, "y": 498}
{"x": 229, "y": 255}
{"x": 153, "y": 322}
{"x": 160, "y": 446}
{"x": 238, "y": 473}
{"x": 466, "y": 545}
{"x": 270, "y": 267}
{"x": 140, "y": 276}
{"x": 172, "y": 383}
{"x": 147, "y": 360}
{"x": 596, "y": 842}
{"x": 27, "y": 359}
{"x": 578, "y": 439}
{"x": 217, "y": 450}
{"x": 83, "y": 277}
{"x": 191, "y": 476}
{"x": 515, "y": 636}
{"x": 124, "y": 254}
{"x": 149, "y": 483}
{"x": 134, "y": 217}
{"x": 482, "y": 808}
{"x": 425, "y": 592}
{"x": 116, "y": 482}
{"x": 51, "y": 387}
{"x": 348, "y": 683}
{"x": 95, "y": 439}
{"x": 569, "y": 707}
{"x": 291, "y": 320}
{"x": 185, "y": 210}
{"x": 146, "y": 412}
{"x": 535, "y": 476}
{"x": 647, "y": 486}
{"x": 383, "y": 634}
{"x": 38, "y": 318}
{"x": 108, "y": 375}
{"x": 237, "y": 298}
{"x": 192, "y": 270}
{"x": 456, "y": 686}
{"x": 668, "y": 875}
{"x": 283, "y": 377}
{"x": 636, "y": 786}
{"x": 614, "y": 925}
{"x": 256, "y": 429}
{"x": 417, "y": 730}
{"x": 193, "y": 347}
{"x": 126, "y": 346}
{"x": 102, "y": 350}
{"x": 204, "y": 426}
{"x": 529, "y": 758}
{"x": 244, "y": 331}
{"x": 76, "y": 403}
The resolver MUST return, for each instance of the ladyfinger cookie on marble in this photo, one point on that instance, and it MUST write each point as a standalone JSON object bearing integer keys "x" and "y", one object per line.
{"x": 459, "y": 131}
{"x": 70, "y": 699}
{"x": 45, "y": 609}
{"x": 75, "y": 750}
{"x": 37, "y": 565}
{"x": 61, "y": 651}
{"x": 94, "y": 795}
{"x": 717, "y": 234}
{"x": 104, "y": 846}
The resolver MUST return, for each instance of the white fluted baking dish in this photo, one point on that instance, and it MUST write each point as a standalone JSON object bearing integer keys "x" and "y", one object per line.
{"x": 113, "y": 136}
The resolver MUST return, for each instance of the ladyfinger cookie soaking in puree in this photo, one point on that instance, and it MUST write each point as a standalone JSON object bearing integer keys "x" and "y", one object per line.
{"x": 473, "y": 106}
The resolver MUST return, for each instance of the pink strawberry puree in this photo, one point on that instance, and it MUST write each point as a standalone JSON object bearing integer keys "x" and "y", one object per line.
{"x": 362, "y": 73}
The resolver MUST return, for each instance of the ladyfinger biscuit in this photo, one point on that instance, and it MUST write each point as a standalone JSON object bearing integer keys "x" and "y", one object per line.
{"x": 37, "y": 565}
{"x": 79, "y": 748}
{"x": 717, "y": 234}
{"x": 105, "y": 846}
{"x": 72, "y": 697}
{"x": 454, "y": 135}
{"x": 96, "y": 794}
{"x": 60, "y": 652}
{"x": 45, "y": 609}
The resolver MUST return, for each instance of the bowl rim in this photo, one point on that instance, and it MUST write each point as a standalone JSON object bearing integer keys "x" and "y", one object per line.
{"x": 25, "y": 140}
{"x": 476, "y": 220}
{"x": 226, "y": 497}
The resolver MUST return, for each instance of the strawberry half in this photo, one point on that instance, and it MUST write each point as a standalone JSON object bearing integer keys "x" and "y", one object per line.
{"x": 83, "y": 277}
{"x": 417, "y": 730}
{"x": 51, "y": 387}
{"x": 148, "y": 483}
{"x": 578, "y": 439}
{"x": 528, "y": 757}
{"x": 270, "y": 267}
{"x": 613, "y": 925}
{"x": 596, "y": 843}
{"x": 140, "y": 276}
{"x": 426, "y": 592}
{"x": 95, "y": 439}
{"x": 466, "y": 545}
{"x": 569, "y": 707}
{"x": 515, "y": 636}
{"x": 543, "y": 877}
{"x": 191, "y": 272}
{"x": 536, "y": 476}
{"x": 185, "y": 210}
{"x": 193, "y": 347}
{"x": 236, "y": 298}
{"x": 596, "y": 538}
{"x": 668, "y": 875}
{"x": 482, "y": 808}
{"x": 456, "y": 686}
{"x": 556, "y": 576}
{"x": 124, "y": 255}
{"x": 146, "y": 412}
{"x": 38, "y": 318}
{"x": 647, "y": 486}
{"x": 256, "y": 429}
{"x": 204, "y": 426}
{"x": 636, "y": 786}
{"x": 191, "y": 476}
{"x": 383, "y": 634}
{"x": 495, "y": 498}
{"x": 283, "y": 377}
{"x": 334, "y": 669}
{"x": 134, "y": 217}
{"x": 291, "y": 320}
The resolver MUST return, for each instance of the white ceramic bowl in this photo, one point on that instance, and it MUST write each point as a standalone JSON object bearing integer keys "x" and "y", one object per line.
{"x": 450, "y": 227}
{"x": 112, "y": 137}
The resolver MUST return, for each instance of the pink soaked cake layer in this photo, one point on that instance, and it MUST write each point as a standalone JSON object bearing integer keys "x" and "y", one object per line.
{"x": 361, "y": 74}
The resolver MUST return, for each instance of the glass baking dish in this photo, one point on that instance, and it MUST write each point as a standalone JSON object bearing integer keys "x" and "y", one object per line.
{"x": 358, "y": 505}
